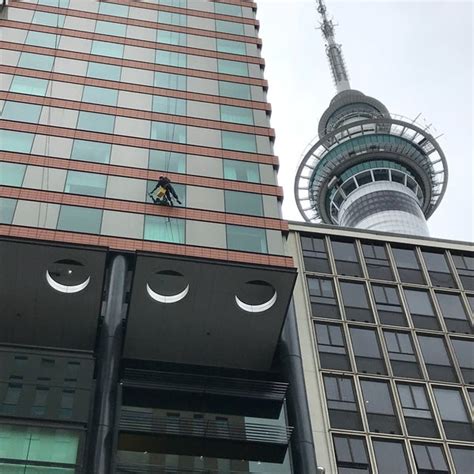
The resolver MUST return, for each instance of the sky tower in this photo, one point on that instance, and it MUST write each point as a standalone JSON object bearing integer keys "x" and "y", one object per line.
{"x": 369, "y": 169}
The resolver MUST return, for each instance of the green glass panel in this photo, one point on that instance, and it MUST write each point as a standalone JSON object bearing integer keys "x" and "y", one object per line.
{"x": 105, "y": 48}
{"x": 167, "y": 161}
{"x": 169, "y": 132}
{"x": 234, "y": 47}
{"x": 232, "y": 89}
{"x": 249, "y": 239}
{"x": 96, "y": 122}
{"x": 29, "y": 85}
{"x": 80, "y": 219}
{"x": 54, "y": 3}
{"x": 170, "y": 81}
{"x": 7, "y": 209}
{"x": 169, "y": 105}
{"x": 104, "y": 71}
{"x": 232, "y": 67}
{"x": 36, "y": 61}
{"x": 89, "y": 184}
{"x": 229, "y": 27}
{"x": 21, "y": 112}
{"x": 239, "y": 141}
{"x": 237, "y": 202}
{"x": 110, "y": 28}
{"x": 42, "y": 39}
{"x": 16, "y": 141}
{"x": 171, "y": 37}
{"x": 227, "y": 9}
{"x": 28, "y": 469}
{"x": 11, "y": 174}
{"x": 169, "y": 58}
{"x": 100, "y": 95}
{"x": 164, "y": 229}
{"x": 241, "y": 171}
{"x": 172, "y": 18}
{"x": 236, "y": 114}
{"x": 48, "y": 19}
{"x": 113, "y": 9}
{"x": 91, "y": 151}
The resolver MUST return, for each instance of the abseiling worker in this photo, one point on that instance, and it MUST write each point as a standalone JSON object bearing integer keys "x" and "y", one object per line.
{"x": 163, "y": 192}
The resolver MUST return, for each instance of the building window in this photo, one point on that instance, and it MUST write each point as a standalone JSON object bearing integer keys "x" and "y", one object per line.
{"x": 351, "y": 455}
{"x": 89, "y": 184}
{"x": 347, "y": 261}
{"x": 438, "y": 269}
{"x": 80, "y": 219}
{"x": 167, "y": 161}
{"x": 235, "y": 90}
{"x": 243, "y": 203}
{"x": 113, "y": 9}
{"x": 453, "y": 312}
{"x": 379, "y": 407}
{"x": 232, "y": 47}
{"x": 315, "y": 254}
{"x": 11, "y": 399}
{"x": 247, "y": 239}
{"x": 164, "y": 229}
{"x": 40, "y": 401}
{"x": 104, "y": 71}
{"x": 430, "y": 459}
{"x": 95, "y": 152}
{"x": 100, "y": 95}
{"x": 453, "y": 413}
{"x": 29, "y": 85}
{"x": 168, "y": 132}
{"x": 331, "y": 347}
{"x": 241, "y": 171}
{"x": 169, "y": 105}
{"x": 342, "y": 403}
{"x": 67, "y": 404}
{"x": 106, "y": 48}
{"x": 388, "y": 305}
{"x": 11, "y": 174}
{"x": 436, "y": 358}
{"x": 40, "y": 62}
{"x": 48, "y": 19}
{"x": 391, "y": 457}
{"x": 402, "y": 355}
{"x": 21, "y": 112}
{"x": 55, "y": 3}
{"x": 47, "y": 40}
{"x": 464, "y": 350}
{"x": 172, "y": 37}
{"x": 465, "y": 267}
{"x": 416, "y": 410}
{"x": 170, "y": 58}
{"x": 16, "y": 141}
{"x": 236, "y": 114}
{"x": 170, "y": 81}
{"x": 172, "y": 18}
{"x": 367, "y": 353}
{"x": 377, "y": 262}
{"x": 7, "y": 210}
{"x": 356, "y": 303}
{"x": 421, "y": 309}
{"x": 227, "y": 9}
{"x": 323, "y": 299}
{"x": 230, "y": 27}
{"x": 239, "y": 141}
{"x": 96, "y": 122}
{"x": 110, "y": 28}
{"x": 408, "y": 266}
{"x": 463, "y": 458}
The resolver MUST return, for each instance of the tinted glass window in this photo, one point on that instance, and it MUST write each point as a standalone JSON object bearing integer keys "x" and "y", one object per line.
{"x": 170, "y": 81}
{"x": 16, "y": 141}
{"x": 315, "y": 254}
{"x": 233, "y": 47}
{"x": 169, "y": 58}
{"x": 171, "y": 37}
{"x": 408, "y": 266}
{"x": 464, "y": 350}
{"x": 236, "y": 114}
{"x": 21, "y": 112}
{"x": 438, "y": 269}
{"x": 249, "y": 239}
{"x": 351, "y": 455}
{"x": 388, "y": 305}
{"x": 169, "y": 132}
{"x": 28, "y": 85}
{"x": 463, "y": 458}
{"x": 11, "y": 174}
{"x": 169, "y": 105}
{"x": 465, "y": 266}
{"x": 421, "y": 309}
{"x": 91, "y": 151}
{"x": 113, "y": 9}
{"x": 356, "y": 304}
{"x": 243, "y": 203}
{"x": 167, "y": 161}
{"x": 89, "y": 184}
{"x": 96, "y": 122}
{"x": 80, "y": 219}
{"x": 104, "y": 71}
{"x": 227, "y": 9}
{"x": 100, "y": 95}
{"x": 42, "y": 39}
{"x": 451, "y": 406}
{"x": 367, "y": 351}
{"x": 347, "y": 261}
{"x": 436, "y": 358}
{"x": 402, "y": 355}
{"x": 163, "y": 229}
{"x": 230, "y": 27}
{"x": 391, "y": 457}
{"x": 36, "y": 61}
{"x": 322, "y": 296}
{"x": 109, "y": 28}
{"x": 241, "y": 171}
{"x": 430, "y": 458}
{"x": 377, "y": 262}
{"x": 235, "y": 90}
{"x": 453, "y": 311}
{"x": 239, "y": 141}
{"x": 105, "y": 48}
{"x": 7, "y": 209}
{"x": 331, "y": 347}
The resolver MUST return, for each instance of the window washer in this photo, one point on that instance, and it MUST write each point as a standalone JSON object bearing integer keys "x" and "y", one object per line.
{"x": 163, "y": 192}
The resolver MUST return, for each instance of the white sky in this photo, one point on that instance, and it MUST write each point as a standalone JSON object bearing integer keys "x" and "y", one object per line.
{"x": 412, "y": 55}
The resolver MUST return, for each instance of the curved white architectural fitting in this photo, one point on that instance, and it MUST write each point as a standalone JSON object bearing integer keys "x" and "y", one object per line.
{"x": 166, "y": 299}
{"x": 256, "y": 308}
{"x": 66, "y": 288}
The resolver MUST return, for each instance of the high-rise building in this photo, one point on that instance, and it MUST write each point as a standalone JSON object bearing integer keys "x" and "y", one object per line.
{"x": 385, "y": 324}
{"x": 137, "y": 337}
{"x": 369, "y": 169}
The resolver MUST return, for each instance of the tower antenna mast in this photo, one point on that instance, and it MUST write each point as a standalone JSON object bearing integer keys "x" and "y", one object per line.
{"x": 333, "y": 50}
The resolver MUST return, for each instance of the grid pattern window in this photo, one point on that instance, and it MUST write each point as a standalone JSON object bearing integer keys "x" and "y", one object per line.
{"x": 402, "y": 355}
{"x": 454, "y": 313}
{"x": 332, "y": 347}
{"x": 408, "y": 265}
{"x": 356, "y": 302}
{"x": 346, "y": 257}
{"x": 315, "y": 254}
{"x": 323, "y": 298}
{"x": 464, "y": 352}
{"x": 389, "y": 308}
{"x": 351, "y": 455}
{"x": 438, "y": 269}
{"x": 421, "y": 309}
{"x": 430, "y": 458}
{"x": 386, "y": 451}
{"x": 377, "y": 262}
{"x": 437, "y": 360}
{"x": 465, "y": 267}
{"x": 367, "y": 351}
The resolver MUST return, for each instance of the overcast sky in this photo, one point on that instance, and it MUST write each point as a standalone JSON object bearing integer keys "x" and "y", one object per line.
{"x": 414, "y": 56}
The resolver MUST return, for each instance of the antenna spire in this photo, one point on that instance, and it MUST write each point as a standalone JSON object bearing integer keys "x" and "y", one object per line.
{"x": 333, "y": 51}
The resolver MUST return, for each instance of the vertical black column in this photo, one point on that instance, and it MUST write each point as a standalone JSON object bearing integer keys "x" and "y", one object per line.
{"x": 302, "y": 444}
{"x": 108, "y": 364}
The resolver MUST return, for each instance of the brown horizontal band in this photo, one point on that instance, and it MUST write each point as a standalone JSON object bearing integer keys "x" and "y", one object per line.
{"x": 120, "y": 243}
{"x": 138, "y": 88}
{"x": 60, "y": 53}
{"x": 136, "y": 114}
{"x": 109, "y": 204}
{"x": 138, "y": 142}
{"x": 150, "y": 24}
{"x": 141, "y": 173}
{"x": 131, "y": 42}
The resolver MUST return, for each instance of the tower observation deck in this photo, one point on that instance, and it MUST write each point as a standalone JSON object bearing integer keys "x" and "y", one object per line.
{"x": 368, "y": 169}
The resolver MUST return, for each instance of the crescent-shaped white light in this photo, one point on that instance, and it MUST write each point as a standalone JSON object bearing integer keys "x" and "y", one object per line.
{"x": 256, "y": 308}
{"x": 166, "y": 299}
{"x": 66, "y": 288}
